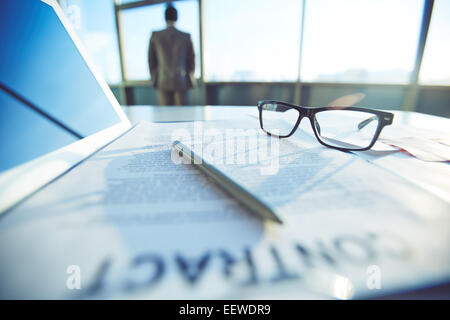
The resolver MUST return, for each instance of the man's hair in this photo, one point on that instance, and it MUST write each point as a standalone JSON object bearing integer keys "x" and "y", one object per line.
{"x": 171, "y": 14}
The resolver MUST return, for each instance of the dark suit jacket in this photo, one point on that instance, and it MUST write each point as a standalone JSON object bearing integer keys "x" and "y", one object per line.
{"x": 171, "y": 60}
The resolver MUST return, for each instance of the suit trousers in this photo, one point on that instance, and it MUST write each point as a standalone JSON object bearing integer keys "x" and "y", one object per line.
{"x": 171, "y": 98}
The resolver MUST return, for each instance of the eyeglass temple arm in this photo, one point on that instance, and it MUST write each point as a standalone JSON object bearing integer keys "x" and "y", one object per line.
{"x": 316, "y": 123}
{"x": 281, "y": 108}
{"x": 364, "y": 123}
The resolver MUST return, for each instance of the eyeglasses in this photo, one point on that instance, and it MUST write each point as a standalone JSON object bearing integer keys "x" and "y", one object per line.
{"x": 343, "y": 128}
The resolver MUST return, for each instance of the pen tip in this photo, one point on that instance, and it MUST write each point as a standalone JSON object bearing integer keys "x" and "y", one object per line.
{"x": 275, "y": 218}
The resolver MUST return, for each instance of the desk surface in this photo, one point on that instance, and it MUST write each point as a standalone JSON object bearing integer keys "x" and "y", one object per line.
{"x": 204, "y": 113}
{"x": 184, "y": 113}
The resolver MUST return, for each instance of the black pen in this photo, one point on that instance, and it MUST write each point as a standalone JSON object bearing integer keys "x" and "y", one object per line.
{"x": 247, "y": 199}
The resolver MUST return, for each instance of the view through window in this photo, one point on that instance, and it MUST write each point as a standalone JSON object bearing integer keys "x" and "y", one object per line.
{"x": 252, "y": 40}
{"x": 358, "y": 41}
{"x": 137, "y": 26}
{"x": 94, "y": 23}
{"x": 369, "y": 41}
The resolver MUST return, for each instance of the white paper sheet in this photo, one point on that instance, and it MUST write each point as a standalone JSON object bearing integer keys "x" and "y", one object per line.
{"x": 139, "y": 226}
{"x": 426, "y": 145}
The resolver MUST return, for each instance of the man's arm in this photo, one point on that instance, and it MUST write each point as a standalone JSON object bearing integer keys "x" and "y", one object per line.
{"x": 152, "y": 60}
{"x": 190, "y": 65}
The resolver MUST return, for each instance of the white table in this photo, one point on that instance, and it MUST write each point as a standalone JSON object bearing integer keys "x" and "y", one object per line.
{"x": 199, "y": 113}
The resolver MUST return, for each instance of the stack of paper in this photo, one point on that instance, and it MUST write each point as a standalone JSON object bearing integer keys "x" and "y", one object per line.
{"x": 130, "y": 222}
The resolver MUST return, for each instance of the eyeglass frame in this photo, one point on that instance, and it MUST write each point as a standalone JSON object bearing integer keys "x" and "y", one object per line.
{"x": 384, "y": 119}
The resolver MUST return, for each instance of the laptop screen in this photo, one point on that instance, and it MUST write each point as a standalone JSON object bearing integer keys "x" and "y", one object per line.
{"x": 49, "y": 97}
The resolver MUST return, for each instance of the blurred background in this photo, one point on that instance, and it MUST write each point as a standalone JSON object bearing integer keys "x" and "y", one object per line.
{"x": 309, "y": 52}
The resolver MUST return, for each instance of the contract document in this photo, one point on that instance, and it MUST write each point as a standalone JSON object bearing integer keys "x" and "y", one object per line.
{"x": 134, "y": 221}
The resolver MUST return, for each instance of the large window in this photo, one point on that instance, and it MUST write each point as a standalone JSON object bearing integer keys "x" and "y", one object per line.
{"x": 94, "y": 22}
{"x": 137, "y": 26}
{"x": 436, "y": 62}
{"x": 358, "y": 41}
{"x": 251, "y": 40}
{"x": 371, "y": 41}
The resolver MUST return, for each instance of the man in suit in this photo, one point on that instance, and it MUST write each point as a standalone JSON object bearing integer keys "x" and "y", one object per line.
{"x": 171, "y": 60}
